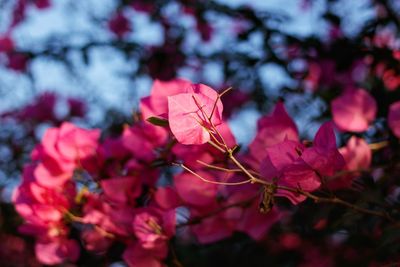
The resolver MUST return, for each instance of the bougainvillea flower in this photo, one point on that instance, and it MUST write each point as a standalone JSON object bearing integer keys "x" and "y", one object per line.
{"x": 62, "y": 150}
{"x": 6, "y": 44}
{"x": 357, "y": 155}
{"x": 95, "y": 241}
{"x": 194, "y": 191}
{"x": 137, "y": 256}
{"x": 394, "y": 118}
{"x": 17, "y": 62}
{"x": 141, "y": 140}
{"x": 189, "y": 114}
{"x": 323, "y": 156}
{"x": 167, "y": 198}
{"x": 57, "y": 251}
{"x": 354, "y": 110}
{"x": 153, "y": 227}
{"x": 41, "y": 205}
{"x": 121, "y": 189}
{"x": 115, "y": 219}
{"x": 212, "y": 229}
{"x": 284, "y": 165}
{"x": 273, "y": 129}
{"x": 156, "y": 105}
{"x": 119, "y": 25}
{"x": 42, "y": 4}
{"x": 256, "y": 224}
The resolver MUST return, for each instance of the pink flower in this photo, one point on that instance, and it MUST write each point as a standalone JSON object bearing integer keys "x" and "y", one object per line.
{"x": 40, "y": 205}
{"x": 62, "y": 150}
{"x": 143, "y": 6}
{"x": 167, "y": 198}
{"x": 17, "y": 61}
{"x": 77, "y": 107}
{"x": 42, "y": 4}
{"x": 205, "y": 29}
{"x": 137, "y": 256}
{"x": 19, "y": 12}
{"x": 357, "y": 156}
{"x": 114, "y": 219}
{"x": 394, "y": 118}
{"x": 194, "y": 191}
{"x": 290, "y": 241}
{"x": 295, "y": 166}
{"x": 256, "y": 224}
{"x": 354, "y": 110}
{"x": 122, "y": 189}
{"x": 141, "y": 140}
{"x": 323, "y": 157}
{"x": 41, "y": 109}
{"x": 6, "y": 44}
{"x": 212, "y": 229}
{"x": 156, "y": 105}
{"x": 57, "y": 251}
{"x": 273, "y": 129}
{"x": 95, "y": 241}
{"x": 189, "y": 114}
{"x": 119, "y": 25}
{"x": 285, "y": 164}
{"x": 153, "y": 227}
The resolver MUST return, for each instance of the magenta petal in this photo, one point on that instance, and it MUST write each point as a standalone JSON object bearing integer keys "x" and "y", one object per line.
{"x": 211, "y": 230}
{"x": 302, "y": 176}
{"x": 278, "y": 157}
{"x": 325, "y": 137}
{"x": 121, "y": 189}
{"x": 354, "y": 110}
{"x": 187, "y": 116}
{"x": 136, "y": 256}
{"x": 256, "y": 224}
{"x": 357, "y": 154}
{"x": 194, "y": 191}
{"x": 49, "y": 179}
{"x": 57, "y": 251}
{"x": 394, "y": 118}
{"x": 167, "y": 198}
{"x": 273, "y": 129}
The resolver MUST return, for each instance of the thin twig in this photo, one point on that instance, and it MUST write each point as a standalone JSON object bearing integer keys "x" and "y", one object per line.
{"x": 209, "y": 181}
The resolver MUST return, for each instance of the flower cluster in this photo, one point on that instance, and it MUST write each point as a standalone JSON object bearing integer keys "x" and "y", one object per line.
{"x": 127, "y": 189}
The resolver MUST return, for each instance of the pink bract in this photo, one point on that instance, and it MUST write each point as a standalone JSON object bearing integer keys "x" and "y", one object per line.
{"x": 136, "y": 256}
{"x": 273, "y": 129}
{"x": 354, "y": 110}
{"x": 122, "y": 189}
{"x": 285, "y": 165}
{"x": 57, "y": 251}
{"x": 394, "y": 118}
{"x": 153, "y": 227}
{"x": 156, "y": 105}
{"x": 357, "y": 156}
{"x": 194, "y": 191}
{"x": 119, "y": 25}
{"x": 192, "y": 115}
{"x": 323, "y": 157}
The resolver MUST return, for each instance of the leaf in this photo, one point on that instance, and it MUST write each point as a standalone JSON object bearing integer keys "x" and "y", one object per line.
{"x": 158, "y": 121}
